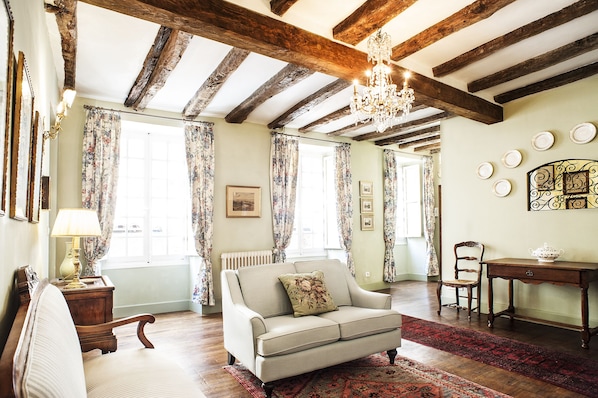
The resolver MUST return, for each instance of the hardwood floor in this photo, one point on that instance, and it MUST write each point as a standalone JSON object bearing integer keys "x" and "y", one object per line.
{"x": 195, "y": 341}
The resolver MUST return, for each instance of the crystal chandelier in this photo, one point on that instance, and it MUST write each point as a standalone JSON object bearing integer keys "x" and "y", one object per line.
{"x": 380, "y": 103}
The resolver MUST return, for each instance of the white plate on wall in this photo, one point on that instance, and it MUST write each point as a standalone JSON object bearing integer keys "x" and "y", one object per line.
{"x": 583, "y": 133}
{"x": 485, "y": 170}
{"x": 511, "y": 158}
{"x": 501, "y": 188}
{"x": 543, "y": 141}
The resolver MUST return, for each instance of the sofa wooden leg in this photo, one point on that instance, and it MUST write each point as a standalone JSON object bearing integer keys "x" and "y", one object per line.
{"x": 231, "y": 359}
{"x": 391, "y": 355}
{"x": 268, "y": 389}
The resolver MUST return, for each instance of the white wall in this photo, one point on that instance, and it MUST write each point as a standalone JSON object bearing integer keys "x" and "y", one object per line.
{"x": 472, "y": 212}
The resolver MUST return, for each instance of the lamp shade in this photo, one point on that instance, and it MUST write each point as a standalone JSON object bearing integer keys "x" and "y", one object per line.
{"x": 76, "y": 222}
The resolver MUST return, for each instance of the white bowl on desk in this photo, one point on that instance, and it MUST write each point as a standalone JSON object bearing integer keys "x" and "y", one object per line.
{"x": 546, "y": 253}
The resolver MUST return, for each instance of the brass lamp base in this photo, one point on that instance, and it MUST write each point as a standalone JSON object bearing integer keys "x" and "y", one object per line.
{"x": 75, "y": 283}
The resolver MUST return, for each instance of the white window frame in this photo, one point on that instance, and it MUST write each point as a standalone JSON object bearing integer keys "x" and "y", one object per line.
{"x": 163, "y": 133}
{"x": 409, "y": 210}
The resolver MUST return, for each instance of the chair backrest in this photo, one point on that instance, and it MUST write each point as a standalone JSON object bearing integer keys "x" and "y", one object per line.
{"x": 468, "y": 258}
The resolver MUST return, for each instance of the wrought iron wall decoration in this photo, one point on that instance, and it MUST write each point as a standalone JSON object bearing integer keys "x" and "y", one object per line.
{"x": 563, "y": 184}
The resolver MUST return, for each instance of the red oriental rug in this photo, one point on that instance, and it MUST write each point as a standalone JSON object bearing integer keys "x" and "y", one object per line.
{"x": 571, "y": 372}
{"x": 371, "y": 377}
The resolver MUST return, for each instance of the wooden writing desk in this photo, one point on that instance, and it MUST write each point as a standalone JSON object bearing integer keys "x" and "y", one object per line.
{"x": 532, "y": 271}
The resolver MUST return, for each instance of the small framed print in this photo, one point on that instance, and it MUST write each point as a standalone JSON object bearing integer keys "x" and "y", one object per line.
{"x": 367, "y": 205}
{"x": 365, "y": 188}
{"x": 367, "y": 222}
{"x": 243, "y": 201}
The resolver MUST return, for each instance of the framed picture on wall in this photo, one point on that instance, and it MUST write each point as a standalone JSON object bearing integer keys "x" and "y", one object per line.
{"x": 366, "y": 188}
{"x": 367, "y": 222}
{"x": 243, "y": 201}
{"x": 6, "y": 64}
{"x": 367, "y": 205}
{"x": 35, "y": 171}
{"x": 21, "y": 142}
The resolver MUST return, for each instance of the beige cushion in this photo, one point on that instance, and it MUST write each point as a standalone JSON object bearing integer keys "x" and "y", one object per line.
{"x": 287, "y": 334}
{"x": 54, "y": 366}
{"x": 336, "y": 277}
{"x": 143, "y": 372}
{"x": 308, "y": 293}
{"x": 358, "y": 322}
{"x": 262, "y": 291}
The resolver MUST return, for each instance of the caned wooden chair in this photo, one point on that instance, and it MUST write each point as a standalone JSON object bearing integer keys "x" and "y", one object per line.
{"x": 468, "y": 275}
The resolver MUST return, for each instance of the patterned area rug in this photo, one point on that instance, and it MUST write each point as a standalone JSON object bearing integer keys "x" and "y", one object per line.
{"x": 573, "y": 373}
{"x": 371, "y": 377}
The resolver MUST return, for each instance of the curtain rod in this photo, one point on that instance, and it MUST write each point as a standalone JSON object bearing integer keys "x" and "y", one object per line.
{"x": 309, "y": 138}
{"x": 145, "y": 114}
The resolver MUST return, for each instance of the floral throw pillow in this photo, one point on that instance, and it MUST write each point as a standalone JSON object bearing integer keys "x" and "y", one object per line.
{"x": 308, "y": 293}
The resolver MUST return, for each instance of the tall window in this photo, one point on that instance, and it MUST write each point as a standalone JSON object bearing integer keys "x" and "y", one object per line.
{"x": 151, "y": 223}
{"x": 315, "y": 228}
{"x": 409, "y": 198}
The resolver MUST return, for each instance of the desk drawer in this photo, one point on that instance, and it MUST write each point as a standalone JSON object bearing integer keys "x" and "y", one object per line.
{"x": 535, "y": 274}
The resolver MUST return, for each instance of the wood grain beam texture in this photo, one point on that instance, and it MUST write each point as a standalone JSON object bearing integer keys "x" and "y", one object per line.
{"x": 66, "y": 19}
{"x": 208, "y": 90}
{"x": 285, "y": 78}
{"x": 553, "y": 20}
{"x": 239, "y": 27}
{"x": 164, "y": 55}
{"x": 535, "y": 64}
{"x": 279, "y": 7}
{"x": 324, "y": 120}
{"x": 473, "y": 13}
{"x": 367, "y": 19}
{"x": 409, "y": 136}
{"x": 405, "y": 127}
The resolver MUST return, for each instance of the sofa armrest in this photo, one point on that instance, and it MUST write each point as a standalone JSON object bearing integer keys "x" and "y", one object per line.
{"x": 142, "y": 320}
{"x": 366, "y": 299}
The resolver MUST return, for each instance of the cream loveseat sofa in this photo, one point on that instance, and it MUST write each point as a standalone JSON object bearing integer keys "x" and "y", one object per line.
{"x": 261, "y": 331}
{"x": 42, "y": 356}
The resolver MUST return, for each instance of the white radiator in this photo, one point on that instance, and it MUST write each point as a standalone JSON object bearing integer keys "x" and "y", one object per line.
{"x": 238, "y": 260}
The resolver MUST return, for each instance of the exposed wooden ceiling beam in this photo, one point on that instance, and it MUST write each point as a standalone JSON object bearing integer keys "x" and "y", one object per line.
{"x": 547, "y": 84}
{"x": 405, "y": 126}
{"x": 309, "y": 103}
{"x": 430, "y": 147}
{"x": 66, "y": 19}
{"x": 214, "y": 82}
{"x": 475, "y": 12}
{"x": 405, "y": 137}
{"x": 279, "y": 7}
{"x": 535, "y": 64}
{"x": 434, "y": 139}
{"x": 369, "y": 17}
{"x": 285, "y": 78}
{"x": 336, "y": 115}
{"x": 166, "y": 52}
{"x": 553, "y": 20}
{"x": 228, "y": 23}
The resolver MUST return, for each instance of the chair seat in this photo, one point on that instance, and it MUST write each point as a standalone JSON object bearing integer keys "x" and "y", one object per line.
{"x": 460, "y": 282}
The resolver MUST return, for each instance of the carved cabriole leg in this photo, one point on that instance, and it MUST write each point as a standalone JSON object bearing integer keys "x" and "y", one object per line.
{"x": 391, "y": 355}
{"x": 231, "y": 359}
{"x": 438, "y": 291}
{"x": 268, "y": 389}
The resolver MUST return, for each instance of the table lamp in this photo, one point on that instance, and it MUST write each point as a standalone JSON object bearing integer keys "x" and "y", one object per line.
{"x": 76, "y": 223}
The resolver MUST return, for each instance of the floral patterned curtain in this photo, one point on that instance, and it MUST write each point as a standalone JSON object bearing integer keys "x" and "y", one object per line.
{"x": 429, "y": 218}
{"x": 285, "y": 161}
{"x": 99, "y": 178}
{"x": 199, "y": 144}
{"x": 390, "y": 219}
{"x": 344, "y": 200}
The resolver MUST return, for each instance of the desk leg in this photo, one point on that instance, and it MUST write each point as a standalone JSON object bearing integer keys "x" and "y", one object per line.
{"x": 585, "y": 331}
{"x": 490, "y": 304}
{"x": 511, "y": 308}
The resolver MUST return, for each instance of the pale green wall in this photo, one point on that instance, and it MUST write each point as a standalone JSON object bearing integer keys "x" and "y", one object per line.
{"x": 23, "y": 243}
{"x": 472, "y": 212}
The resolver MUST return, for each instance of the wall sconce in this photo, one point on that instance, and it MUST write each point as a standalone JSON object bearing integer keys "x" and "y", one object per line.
{"x": 68, "y": 96}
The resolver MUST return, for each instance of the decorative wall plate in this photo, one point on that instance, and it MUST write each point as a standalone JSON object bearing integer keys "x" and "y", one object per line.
{"x": 542, "y": 141}
{"x": 511, "y": 158}
{"x": 583, "y": 133}
{"x": 485, "y": 170}
{"x": 502, "y": 188}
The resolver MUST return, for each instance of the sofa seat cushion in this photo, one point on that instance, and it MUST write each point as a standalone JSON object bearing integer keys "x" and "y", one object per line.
{"x": 287, "y": 334}
{"x": 357, "y": 322}
{"x": 143, "y": 372}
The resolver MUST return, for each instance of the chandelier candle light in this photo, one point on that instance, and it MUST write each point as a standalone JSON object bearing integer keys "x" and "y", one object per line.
{"x": 380, "y": 103}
